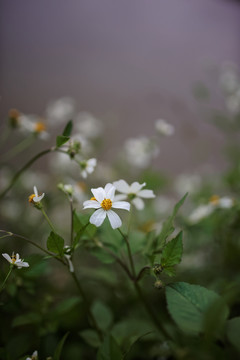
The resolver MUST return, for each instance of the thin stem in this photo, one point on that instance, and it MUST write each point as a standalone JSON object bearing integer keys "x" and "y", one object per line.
{"x": 72, "y": 212}
{"x": 150, "y": 311}
{"x": 5, "y": 134}
{"x": 25, "y": 167}
{"x": 8, "y": 274}
{"x": 47, "y": 218}
{"x": 125, "y": 237}
{"x": 90, "y": 314}
{"x": 24, "y": 144}
{"x": 32, "y": 243}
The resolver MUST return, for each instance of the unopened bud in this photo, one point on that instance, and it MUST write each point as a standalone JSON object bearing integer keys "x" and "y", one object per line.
{"x": 158, "y": 284}
{"x": 157, "y": 268}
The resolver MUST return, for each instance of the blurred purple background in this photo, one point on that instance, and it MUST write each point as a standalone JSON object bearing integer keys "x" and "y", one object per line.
{"x": 129, "y": 62}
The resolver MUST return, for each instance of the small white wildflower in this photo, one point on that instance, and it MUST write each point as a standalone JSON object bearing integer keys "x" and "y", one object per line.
{"x": 164, "y": 128}
{"x": 88, "y": 125}
{"x": 87, "y": 167}
{"x": 33, "y": 124}
{"x": 60, "y": 110}
{"x": 187, "y": 183}
{"x": 103, "y": 201}
{"x": 35, "y": 197}
{"x": 201, "y": 212}
{"x": 140, "y": 151}
{"x": 15, "y": 260}
{"x": 34, "y": 356}
{"x": 133, "y": 192}
{"x": 224, "y": 202}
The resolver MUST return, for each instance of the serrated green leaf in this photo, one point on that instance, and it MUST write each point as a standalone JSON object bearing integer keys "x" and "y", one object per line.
{"x": 59, "y": 347}
{"x": 60, "y": 140}
{"x": 68, "y": 129}
{"x": 168, "y": 226}
{"x": 103, "y": 314}
{"x": 109, "y": 350}
{"x": 55, "y": 243}
{"x": 91, "y": 337}
{"x": 169, "y": 270}
{"x": 172, "y": 252}
{"x": 188, "y": 305}
{"x": 233, "y": 331}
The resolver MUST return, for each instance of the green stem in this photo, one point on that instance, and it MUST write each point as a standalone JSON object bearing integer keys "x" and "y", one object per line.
{"x": 72, "y": 211}
{"x": 125, "y": 237}
{"x": 8, "y": 274}
{"x": 47, "y": 218}
{"x": 32, "y": 243}
{"x": 24, "y": 144}
{"x": 86, "y": 302}
{"x": 25, "y": 167}
{"x": 5, "y": 134}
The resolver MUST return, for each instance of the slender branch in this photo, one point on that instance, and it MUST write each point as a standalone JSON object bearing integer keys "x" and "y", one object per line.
{"x": 5, "y": 280}
{"x": 125, "y": 237}
{"x": 90, "y": 314}
{"x": 147, "y": 267}
{"x": 71, "y": 212}
{"x": 34, "y": 244}
{"x": 47, "y": 218}
{"x": 25, "y": 167}
{"x": 119, "y": 261}
{"x": 24, "y": 144}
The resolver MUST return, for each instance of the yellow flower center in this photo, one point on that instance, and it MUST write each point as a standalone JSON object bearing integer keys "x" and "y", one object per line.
{"x": 40, "y": 126}
{"x": 93, "y": 198}
{"x": 214, "y": 199}
{"x": 106, "y": 204}
{"x": 13, "y": 257}
{"x": 30, "y": 198}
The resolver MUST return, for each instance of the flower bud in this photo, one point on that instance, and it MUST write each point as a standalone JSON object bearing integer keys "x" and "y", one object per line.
{"x": 157, "y": 269}
{"x": 159, "y": 284}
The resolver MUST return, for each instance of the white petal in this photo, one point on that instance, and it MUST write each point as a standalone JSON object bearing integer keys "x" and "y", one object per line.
{"x": 98, "y": 217}
{"x": 7, "y": 257}
{"x": 121, "y": 205}
{"x": 138, "y": 203}
{"x": 147, "y": 194}
{"x": 21, "y": 263}
{"x": 119, "y": 197}
{"x": 90, "y": 169}
{"x": 110, "y": 191}
{"x": 92, "y": 162}
{"x": 99, "y": 194}
{"x": 135, "y": 187}
{"x": 122, "y": 186}
{"x": 114, "y": 219}
{"x": 35, "y": 190}
{"x": 17, "y": 257}
{"x": 84, "y": 174}
{"x": 38, "y": 198}
{"x": 91, "y": 204}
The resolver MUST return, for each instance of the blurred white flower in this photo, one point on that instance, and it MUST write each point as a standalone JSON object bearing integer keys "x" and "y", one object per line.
{"x": 15, "y": 260}
{"x": 229, "y": 78}
{"x": 233, "y": 102}
{"x": 163, "y": 204}
{"x": 187, "y": 183}
{"x": 224, "y": 202}
{"x": 133, "y": 193}
{"x": 88, "y": 125}
{"x": 35, "y": 197}
{"x": 34, "y": 356}
{"x": 164, "y": 128}
{"x": 200, "y": 213}
{"x": 140, "y": 151}
{"x": 87, "y": 167}
{"x": 60, "y": 110}
{"x": 33, "y": 124}
{"x": 103, "y": 201}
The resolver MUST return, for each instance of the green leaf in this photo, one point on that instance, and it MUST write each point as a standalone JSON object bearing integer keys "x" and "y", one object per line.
{"x": 169, "y": 270}
{"x": 172, "y": 252}
{"x": 55, "y": 243}
{"x": 233, "y": 331}
{"x": 102, "y": 314}
{"x": 188, "y": 305}
{"x": 60, "y": 140}
{"x": 109, "y": 350}
{"x": 66, "y": 305}
{"x": 27, "y": 319}
{"x": 91, "y": 337}
{"x": 59, "y": 347}
{"x": 168, "y": 226}
{"x": 68, "y": 129}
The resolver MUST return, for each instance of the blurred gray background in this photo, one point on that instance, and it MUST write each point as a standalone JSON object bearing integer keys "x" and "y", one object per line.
{"x": 128, "y": 62}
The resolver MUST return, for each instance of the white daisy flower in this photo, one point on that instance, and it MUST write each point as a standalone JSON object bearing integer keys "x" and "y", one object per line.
{"x": 33, "y": 124}
{"x": 15, "y": 260}
{"x": 87, "y": 167}
{"x": 103, "y": 201}
{"x": 60, "y": 110}
{"x": 88, "y": 125}
{"x": 34, "y": 356}
{"x": 201, "y": 212}
{"x": 139, "y": 152}
{"x": 35, "y": 197}
{"x": 133, "y": 192}
{"x": 164, "y": 128}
